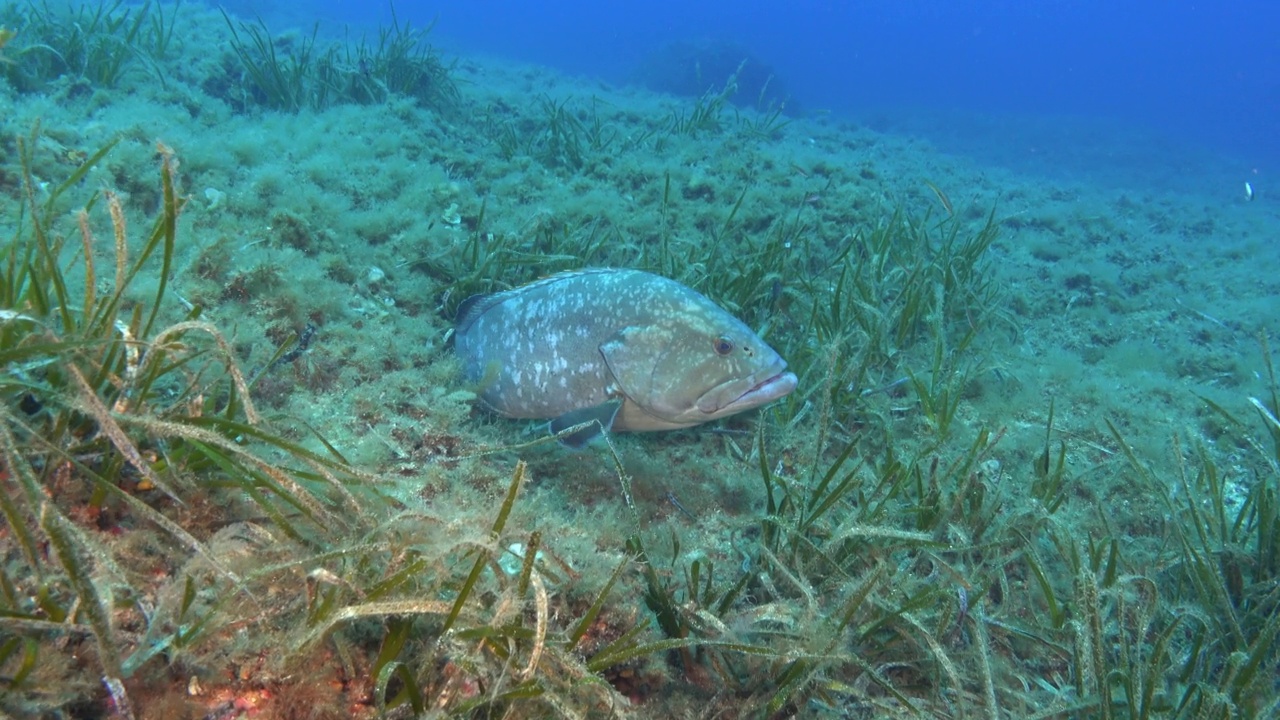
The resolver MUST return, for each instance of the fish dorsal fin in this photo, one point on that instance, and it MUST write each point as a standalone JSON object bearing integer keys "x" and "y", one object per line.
{"x": 476, "y": 305}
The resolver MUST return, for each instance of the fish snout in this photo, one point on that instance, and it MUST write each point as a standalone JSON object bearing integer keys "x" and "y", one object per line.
{"x": 773, "y": 387}
{"x": 759, "y": 388}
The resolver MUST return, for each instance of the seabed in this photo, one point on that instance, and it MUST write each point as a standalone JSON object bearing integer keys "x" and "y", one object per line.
{"x": 1030, "y": 470}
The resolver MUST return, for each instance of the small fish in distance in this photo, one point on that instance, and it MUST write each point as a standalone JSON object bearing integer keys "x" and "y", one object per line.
{"x": 618, "y": 349}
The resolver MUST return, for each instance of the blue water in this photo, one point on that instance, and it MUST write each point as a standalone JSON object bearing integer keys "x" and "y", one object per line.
{"x": 1203, "y": 73}
{"x": 1174, "y": 95}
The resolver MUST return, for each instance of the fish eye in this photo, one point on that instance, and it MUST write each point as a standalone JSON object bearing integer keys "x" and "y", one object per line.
{"x": 723, "y": 345}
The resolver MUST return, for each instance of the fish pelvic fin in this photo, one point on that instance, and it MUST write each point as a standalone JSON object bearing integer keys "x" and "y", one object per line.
{"x": 576, "y": 428}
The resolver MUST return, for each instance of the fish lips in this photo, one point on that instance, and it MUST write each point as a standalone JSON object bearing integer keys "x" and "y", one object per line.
{"x": 761, "y": 388}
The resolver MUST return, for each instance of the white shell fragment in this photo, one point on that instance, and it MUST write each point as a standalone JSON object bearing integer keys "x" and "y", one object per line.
{"x": 512, "y": 561}
{"x": 215, "y": 198}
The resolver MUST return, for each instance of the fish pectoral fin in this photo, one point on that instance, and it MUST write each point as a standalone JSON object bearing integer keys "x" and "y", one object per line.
{"x": 578, "y": 427}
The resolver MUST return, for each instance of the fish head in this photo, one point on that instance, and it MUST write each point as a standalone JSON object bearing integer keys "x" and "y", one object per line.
{"x": 698, "y": 366}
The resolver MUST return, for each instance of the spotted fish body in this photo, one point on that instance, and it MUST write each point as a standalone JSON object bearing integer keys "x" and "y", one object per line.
{"x": 627, "y": 349}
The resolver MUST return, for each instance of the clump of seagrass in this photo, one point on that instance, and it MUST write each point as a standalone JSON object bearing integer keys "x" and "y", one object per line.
{"x": 495, "y": 647}
{"x": 310, "y": 73}
{"x": 94, "y": 43}
{"x": 107, "y": 414}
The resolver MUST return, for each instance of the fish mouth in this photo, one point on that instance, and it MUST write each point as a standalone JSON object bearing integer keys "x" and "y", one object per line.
{"x": 771, "y": 388}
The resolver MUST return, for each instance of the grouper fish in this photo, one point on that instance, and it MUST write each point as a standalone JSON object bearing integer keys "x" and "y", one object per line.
{"x": 616, "y": 349}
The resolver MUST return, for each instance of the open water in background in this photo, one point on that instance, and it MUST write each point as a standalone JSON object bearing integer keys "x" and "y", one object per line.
{"x": 1070, "y": 86}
